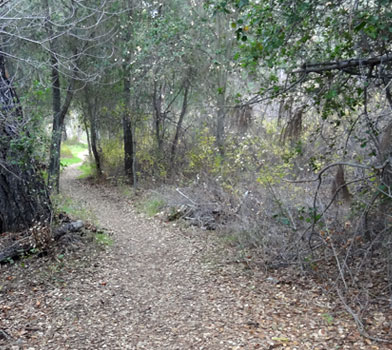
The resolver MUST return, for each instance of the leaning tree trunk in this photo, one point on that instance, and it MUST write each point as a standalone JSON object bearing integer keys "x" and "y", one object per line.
{"x": 23, "y": 195}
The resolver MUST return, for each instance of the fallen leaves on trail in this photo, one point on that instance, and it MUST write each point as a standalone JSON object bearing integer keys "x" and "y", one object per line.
{"x": 209, "y": 307}
{"x": 159, "y": 288}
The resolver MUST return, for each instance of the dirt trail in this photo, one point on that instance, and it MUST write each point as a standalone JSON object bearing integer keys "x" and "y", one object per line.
{"x": 157, "y": 289}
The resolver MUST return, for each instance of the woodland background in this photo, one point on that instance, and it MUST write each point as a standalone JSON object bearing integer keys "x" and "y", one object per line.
{"x": 267, "y": 121}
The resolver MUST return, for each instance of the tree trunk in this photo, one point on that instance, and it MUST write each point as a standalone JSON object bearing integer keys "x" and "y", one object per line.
{"x": 127, "y": 130}
{"x": 23, "y": 195}
{"x": 54, "y": 164}
{"x": 158, "y": 116}
{"x": 179, "y": 125}
{"x": 86, "y": 128}
{"x": 94, "y": 143}
{"x": 93, "y": 139}
{"x": 65, "y": 135}
{"x": 385, "y": 152}
{"x": 59, "y": 113}
{"x": 220, "y": 123}
{"x": 224, "y": 44}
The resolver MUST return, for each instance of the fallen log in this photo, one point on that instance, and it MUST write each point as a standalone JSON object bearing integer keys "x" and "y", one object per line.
{"x": 73, "y": 226}
{"x": 26, "y": 244}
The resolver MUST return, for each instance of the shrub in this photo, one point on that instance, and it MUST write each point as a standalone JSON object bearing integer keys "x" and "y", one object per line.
{"x": 112, "y": 156}
{"x": 66, "y": 152}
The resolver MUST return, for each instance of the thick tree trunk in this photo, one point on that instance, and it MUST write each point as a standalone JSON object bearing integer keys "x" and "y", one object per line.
{"x": 127, "y": 131}
{"x": 23, "y": 195}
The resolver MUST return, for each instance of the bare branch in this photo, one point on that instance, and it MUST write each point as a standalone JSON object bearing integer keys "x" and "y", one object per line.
{"x": 343, "y": 65}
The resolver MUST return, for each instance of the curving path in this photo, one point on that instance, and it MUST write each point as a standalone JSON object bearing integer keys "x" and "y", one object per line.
{"x": 157, "y": 288}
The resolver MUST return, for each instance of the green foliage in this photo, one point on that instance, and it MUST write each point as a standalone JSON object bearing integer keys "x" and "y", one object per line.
{"x": 64, "y": 204}
{"x": 74, "y": 141}
{"x": 328, "y": 319}
{"x": 70, "y": 152}
{"x": 88, "y": 170}
{"x": 66, "y": 152}
{"x": 203, "y": 156}
{"x": 277, "y": 39}
{"x": 153, "y": 205}
{"x": 112, "y": 154}
{"x": 244, "y": 155}
{"x": 64, "y": 162}
{"x": 151, "y": 164}
{"x": 74, "y": 146}
{"x": 103, "y": 239}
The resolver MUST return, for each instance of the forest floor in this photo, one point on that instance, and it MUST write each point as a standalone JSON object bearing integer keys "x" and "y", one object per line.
{"x": 158, "y": 287}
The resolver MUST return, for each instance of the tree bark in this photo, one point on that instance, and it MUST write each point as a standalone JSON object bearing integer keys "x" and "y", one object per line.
{"x": 93, "y": 139}
{"x": 220, "y": 124}
{"x": 59, "y": 113}
{"x": 158, "y": 116}
{"x": 24, "y": 197}
{"x": 344, "y": 65}
{"x": 86, "y": 127}
{"x": 54, "y": 164}
{"x": 385, "y": 151}
{"x": 224, "y": 43}
{"x": 179, "y": 124}
{"x": 127, "y": 130}
{"x": 94, "y": 144}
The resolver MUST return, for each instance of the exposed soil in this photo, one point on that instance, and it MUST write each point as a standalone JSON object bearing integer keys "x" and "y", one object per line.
{"x": 158, "y": 288}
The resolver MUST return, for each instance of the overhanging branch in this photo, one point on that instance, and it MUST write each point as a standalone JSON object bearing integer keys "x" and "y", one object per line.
{"x": 343, "y": 65}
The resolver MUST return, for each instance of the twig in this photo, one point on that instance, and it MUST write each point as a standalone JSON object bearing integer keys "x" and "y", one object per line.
{"x": 322, "y": 171}
{"x": 185, "y": 196}
{"x": 358, "y": 322}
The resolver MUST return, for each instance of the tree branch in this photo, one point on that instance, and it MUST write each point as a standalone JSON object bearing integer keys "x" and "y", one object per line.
{"x": 343, "y": 65}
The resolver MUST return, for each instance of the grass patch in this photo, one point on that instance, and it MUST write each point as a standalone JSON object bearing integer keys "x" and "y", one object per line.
{"x": 69, "y": 161}
{"x": 71, "y": 207}
{"x": 87, "y": 169}
{"x": 153, "y": 206}
{"x": 78, "y": 148}
{"x": 103, "y": 239}
{"x": 66, "y": 152}
{"x": 70, "y": 153}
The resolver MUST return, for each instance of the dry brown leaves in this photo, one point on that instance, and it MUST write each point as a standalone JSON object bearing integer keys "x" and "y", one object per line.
{"x": 160, "y": 288}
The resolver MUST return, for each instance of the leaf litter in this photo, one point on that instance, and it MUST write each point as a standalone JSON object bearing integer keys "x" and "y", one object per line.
{"x": 158, "y": 287}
